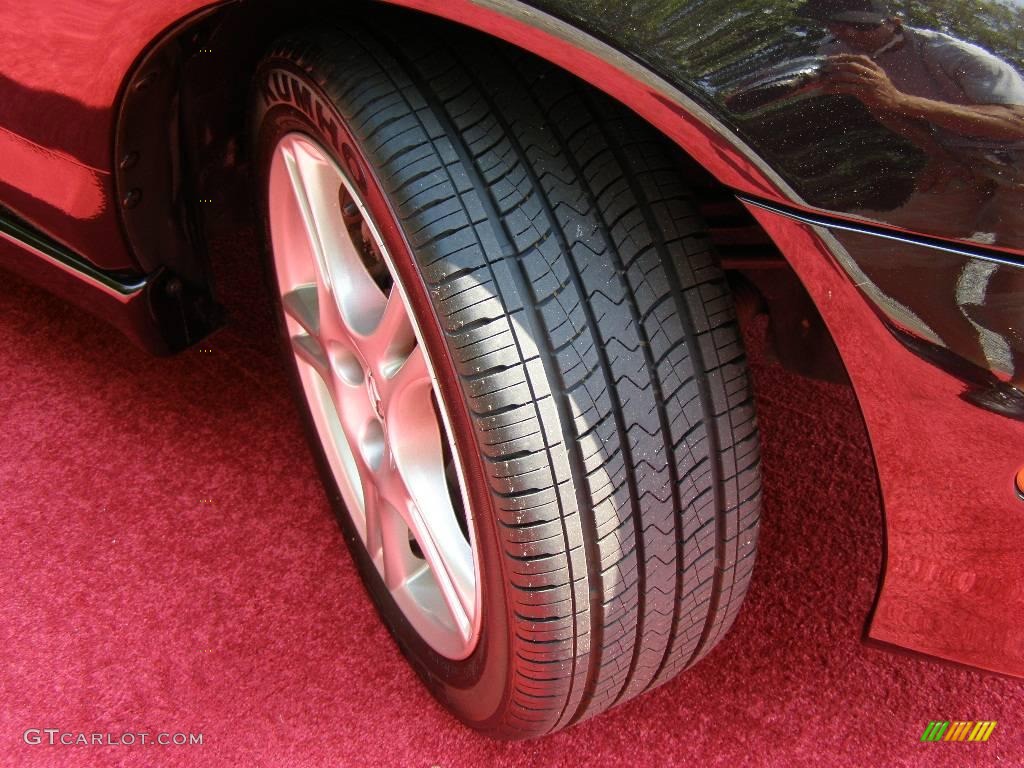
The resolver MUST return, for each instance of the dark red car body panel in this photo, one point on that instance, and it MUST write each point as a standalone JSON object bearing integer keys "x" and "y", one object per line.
{"x": 62, "y": 67}
{"x": 953, "y": 581}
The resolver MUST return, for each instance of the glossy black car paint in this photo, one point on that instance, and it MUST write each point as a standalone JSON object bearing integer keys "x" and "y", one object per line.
{"x": 828, "y": 148}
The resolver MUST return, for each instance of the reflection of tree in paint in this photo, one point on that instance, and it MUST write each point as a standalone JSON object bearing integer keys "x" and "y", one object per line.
{"x": 829, "y": 148}
{"x": 995, "y": 26}
{"x": 715, "y": 41}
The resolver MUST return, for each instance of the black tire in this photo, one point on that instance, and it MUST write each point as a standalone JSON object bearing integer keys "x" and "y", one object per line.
{"x": 590, "y": 343}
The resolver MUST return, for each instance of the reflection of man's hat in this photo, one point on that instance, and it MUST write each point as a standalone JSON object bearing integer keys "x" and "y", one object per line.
{"x": 848, "y": 11}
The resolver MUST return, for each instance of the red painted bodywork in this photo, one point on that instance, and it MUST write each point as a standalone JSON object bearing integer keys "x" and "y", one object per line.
{"x": 953, "y": 583}
{"x": 62, "y": 66}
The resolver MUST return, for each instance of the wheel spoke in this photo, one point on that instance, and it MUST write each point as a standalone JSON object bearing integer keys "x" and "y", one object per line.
{"x": 359, "y": 421}
{"x": 331, "y": 325}
{"x": 452, "y": 569}
{"x": 411, "y": 379}
{"x": 312, "y": 305}
{"x": 308, "y": 187}
{"x": 395, "y": 548}
{"x": 433, "y": 525}
{"x": 302, "y": 305}
{"x": 387, "y": 540}
{"x": 358, "y": 296}
{"x": 372, "y": 513}
{"x": 415, "y": 435}
{"x": 308, "y": 349}
{"x": 293, "y": 155}
{"x": 391, "y": 342}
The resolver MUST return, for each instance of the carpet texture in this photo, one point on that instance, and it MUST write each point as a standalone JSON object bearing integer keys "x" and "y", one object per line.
{"x": 168, "y": 562}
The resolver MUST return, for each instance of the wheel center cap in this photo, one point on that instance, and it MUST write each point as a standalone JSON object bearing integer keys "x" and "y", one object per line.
{"x": 374, "y": 393}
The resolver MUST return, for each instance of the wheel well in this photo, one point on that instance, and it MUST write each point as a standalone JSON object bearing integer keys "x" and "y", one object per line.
{"x": 181, "y": 143}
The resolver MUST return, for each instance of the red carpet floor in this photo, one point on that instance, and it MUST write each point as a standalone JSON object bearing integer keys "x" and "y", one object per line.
{"x": 168, "y": 562}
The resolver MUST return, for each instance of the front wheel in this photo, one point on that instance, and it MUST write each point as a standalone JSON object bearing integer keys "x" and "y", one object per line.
{"x": 520, "y": 363}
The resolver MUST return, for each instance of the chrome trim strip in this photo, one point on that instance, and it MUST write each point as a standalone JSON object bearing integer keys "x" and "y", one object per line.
{"x": 888, "y": 234}
{"x": 20, "y": 233}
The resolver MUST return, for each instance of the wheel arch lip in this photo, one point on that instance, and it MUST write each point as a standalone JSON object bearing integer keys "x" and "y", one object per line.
{"x": 674, "y": 113}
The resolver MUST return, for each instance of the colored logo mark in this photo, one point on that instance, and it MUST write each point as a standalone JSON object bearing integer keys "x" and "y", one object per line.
{"x": 958, "y": 730}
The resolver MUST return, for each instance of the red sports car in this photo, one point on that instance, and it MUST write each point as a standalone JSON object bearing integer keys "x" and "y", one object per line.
{"x": 511, "y": 245}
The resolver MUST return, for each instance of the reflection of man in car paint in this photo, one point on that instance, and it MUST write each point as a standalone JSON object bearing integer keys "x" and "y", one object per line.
{"x": 958, "y": 102}
{"x": 964, "y": 107}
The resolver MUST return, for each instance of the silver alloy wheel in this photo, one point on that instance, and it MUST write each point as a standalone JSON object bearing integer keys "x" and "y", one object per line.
{"x": 373, "y": 394}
